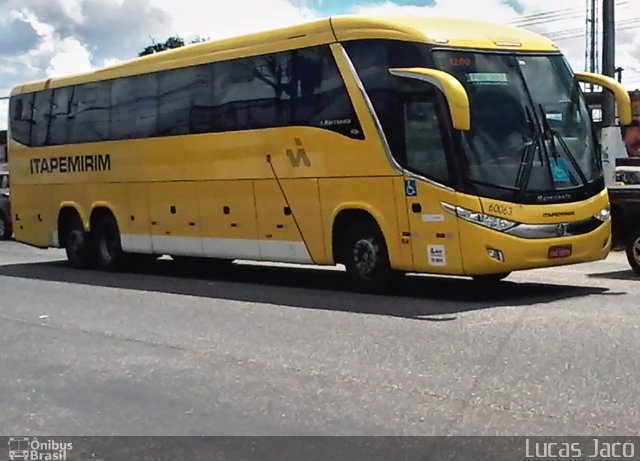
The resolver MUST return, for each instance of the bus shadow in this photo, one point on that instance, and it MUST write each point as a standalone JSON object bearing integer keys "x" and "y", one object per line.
{"x": 629, "y": 275}
{"x": 418, "y": 297}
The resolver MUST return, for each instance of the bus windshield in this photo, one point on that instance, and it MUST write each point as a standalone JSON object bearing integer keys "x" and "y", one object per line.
{"x": 530, "y": 127}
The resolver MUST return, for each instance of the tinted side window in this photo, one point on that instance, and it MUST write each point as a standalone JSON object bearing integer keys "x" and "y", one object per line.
{"x": 174, "y": 102}
{"x": 409, "y": 111}
{"x": 20, "y": 109}
{"x": 41, "y": 118}
{"x": 425, "y": 150}
{"x": 271, "y": 108}
{"x": 249, "y": 93}
{"x": 300, "y": 87}
{"x": 319, "y": 96}
{"x": 90, "y": 105}
{"x": 372, "y": 60}
{"x": 134, "y": 107}
{"x": 60, "y": 111}
{"x": 224, "y": 116}
{"x": 201, "y": 98}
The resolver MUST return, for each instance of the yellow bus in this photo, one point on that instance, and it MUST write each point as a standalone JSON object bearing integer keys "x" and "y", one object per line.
{"x": 386, "y": 144}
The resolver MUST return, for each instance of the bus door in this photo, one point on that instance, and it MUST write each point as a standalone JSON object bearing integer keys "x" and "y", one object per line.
{"x": 434, "y": 233}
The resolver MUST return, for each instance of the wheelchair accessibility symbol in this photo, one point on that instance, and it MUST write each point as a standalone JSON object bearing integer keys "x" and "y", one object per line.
{"x": 560, "y": 170}
{"x": 410, "y": 188}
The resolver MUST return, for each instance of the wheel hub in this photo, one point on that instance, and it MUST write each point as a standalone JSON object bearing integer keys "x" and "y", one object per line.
{"x": 365, "y": 256}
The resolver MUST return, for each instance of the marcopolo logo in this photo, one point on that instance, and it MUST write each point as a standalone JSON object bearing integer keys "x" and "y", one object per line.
{"x": 558, "y": 214}
{"x": 35, "y": 449}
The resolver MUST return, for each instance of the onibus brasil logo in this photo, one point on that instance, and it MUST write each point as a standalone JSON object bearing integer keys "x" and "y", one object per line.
{"x": 38, "y": 450}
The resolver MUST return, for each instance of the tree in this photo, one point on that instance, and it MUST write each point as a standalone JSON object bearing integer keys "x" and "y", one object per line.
{"x": 172, "y": 42}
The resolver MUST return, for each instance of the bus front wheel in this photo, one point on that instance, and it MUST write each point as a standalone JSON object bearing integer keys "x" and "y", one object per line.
{"x": 5, "y": 228}
{"x": 107, "y": 243}
{"x": 366, "y": 257}
{"x": 633, "y": 249}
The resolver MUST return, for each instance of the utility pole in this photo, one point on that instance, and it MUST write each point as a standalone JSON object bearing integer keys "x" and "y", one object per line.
{"x": 612, "y": 146}
{"x": 608, "y": 59}
{"x": 593, "y": 37}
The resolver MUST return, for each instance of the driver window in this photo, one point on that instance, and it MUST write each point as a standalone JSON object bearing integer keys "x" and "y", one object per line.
{"x": 425, "y": 151}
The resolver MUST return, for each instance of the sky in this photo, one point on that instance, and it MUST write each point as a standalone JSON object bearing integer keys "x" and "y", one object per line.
{"x": 47, "y": 38}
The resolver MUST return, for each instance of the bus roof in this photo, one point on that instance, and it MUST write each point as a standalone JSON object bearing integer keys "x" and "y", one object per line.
{"x": 446, "y": 32}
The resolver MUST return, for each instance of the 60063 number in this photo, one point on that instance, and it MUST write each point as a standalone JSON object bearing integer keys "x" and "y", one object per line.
{"x": 500, "y": 209}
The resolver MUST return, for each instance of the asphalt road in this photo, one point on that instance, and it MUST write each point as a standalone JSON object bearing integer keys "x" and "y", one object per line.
{"x": 266, "y": 350}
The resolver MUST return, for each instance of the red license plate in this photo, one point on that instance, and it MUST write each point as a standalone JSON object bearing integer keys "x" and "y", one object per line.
{"x": 560, "y": 251}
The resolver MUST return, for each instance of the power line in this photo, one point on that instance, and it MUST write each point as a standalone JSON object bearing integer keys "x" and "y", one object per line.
{"x": 560, "y": 36}
{"x": 554, "y": 15}
{"x": 548, "y": 20}
{"x": 545, "y": 14}
{"x": 625, "y": 24}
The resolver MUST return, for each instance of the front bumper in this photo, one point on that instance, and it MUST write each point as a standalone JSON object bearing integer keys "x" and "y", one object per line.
{"x": 522, "y": 253}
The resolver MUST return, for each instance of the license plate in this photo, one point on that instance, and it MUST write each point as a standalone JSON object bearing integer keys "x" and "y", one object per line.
{"x": 560, "y": 251}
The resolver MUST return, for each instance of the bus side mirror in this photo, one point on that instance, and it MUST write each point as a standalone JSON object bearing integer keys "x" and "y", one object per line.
{"x": 619, "y": 91}
{"x": 452, "y": 89}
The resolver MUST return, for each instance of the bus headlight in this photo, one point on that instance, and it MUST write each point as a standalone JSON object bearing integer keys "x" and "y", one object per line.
{"x": 492, "y": 222}
{"x": 604, "y": 214}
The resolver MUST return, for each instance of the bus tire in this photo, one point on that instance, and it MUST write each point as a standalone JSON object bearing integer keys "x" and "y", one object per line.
{"x": 366, "y": 257}
{"x": 491, "y": 278}
{"x": 77, "y": 246}
{"x": 633, "y": 249}
{"x": 5, "y": 228}
{"x": 107, "y": 244}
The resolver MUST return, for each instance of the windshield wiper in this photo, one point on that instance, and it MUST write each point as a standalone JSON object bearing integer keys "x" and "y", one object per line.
{"x": 546, "y": 130}
{"x": 526, "y": 160}
{"x": 552, "y": 135}
{"x": 525, "y": 163}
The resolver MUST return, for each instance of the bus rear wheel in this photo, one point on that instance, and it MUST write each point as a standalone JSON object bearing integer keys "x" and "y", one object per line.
{"x": 366, "y": 258}
{"x": 107, "y": 243}
{"x": 77, "y": 246}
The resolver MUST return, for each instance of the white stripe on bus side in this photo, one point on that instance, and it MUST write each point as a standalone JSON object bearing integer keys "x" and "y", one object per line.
{"x": 261, "y": 250}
